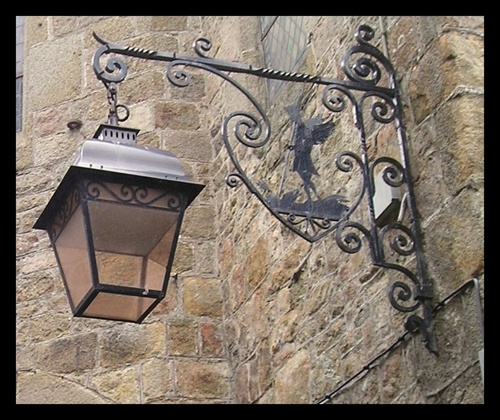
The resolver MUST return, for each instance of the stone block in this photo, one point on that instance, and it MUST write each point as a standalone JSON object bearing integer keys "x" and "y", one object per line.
{"x": 202, "y": 379}
{"x": 184, "y": 258}
{"x": 129, "y": 343}
{"x": 66, "y": 355}
{"x": 188, "y": 145}
{"x": 460, "y": 134}
{"x": 156, "y": 379}
{"x": 182, "y": 337}
{"x": 121, "y": 386}
{"x": 169, "y": 23}
{"x": 199, "y": 222}
{"x": 55, "y": 72}
{"x": 40, "y": 388}
{"x": 141, "y": 117}
{"x": 202, "y": 297}
{"x": 463, "y": 59}
{"x": 24, "y": 151}
{"x": 193, "y": 92}
{"x": 112, "y": 29}
{"x": 292, "y": 380}
{"x": 62, "y": 25}
{"x": 141, "y": 87}
{"x": 177, "y": 116}
{"x": 52, "y": 149}
{"x": 211, "y": 336}
{"x": 50, "y": 326}
{"x": 36, "y": 30}
{"x": 257, "y": 263}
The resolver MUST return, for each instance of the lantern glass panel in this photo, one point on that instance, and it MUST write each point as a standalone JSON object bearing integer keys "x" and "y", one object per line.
{"x": 133, "y": 230}
{"x": 132, "y": 244}
{"x": 72, "y": 251}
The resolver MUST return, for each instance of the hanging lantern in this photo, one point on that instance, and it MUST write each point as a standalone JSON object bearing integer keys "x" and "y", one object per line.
{"x": 114, "y": 222}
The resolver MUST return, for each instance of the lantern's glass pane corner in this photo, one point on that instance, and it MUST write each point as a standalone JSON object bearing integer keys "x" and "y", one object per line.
{"x": 118, "y": 307}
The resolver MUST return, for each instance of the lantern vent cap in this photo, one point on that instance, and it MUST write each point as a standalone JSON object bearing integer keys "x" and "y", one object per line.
{"x": 126, "y": 157}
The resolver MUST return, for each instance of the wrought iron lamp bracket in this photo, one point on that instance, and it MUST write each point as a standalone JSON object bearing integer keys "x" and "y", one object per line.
{"x": 369, "y": 77}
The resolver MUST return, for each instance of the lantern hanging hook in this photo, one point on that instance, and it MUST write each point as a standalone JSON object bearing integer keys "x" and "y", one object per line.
{"x": 113, "y": 117}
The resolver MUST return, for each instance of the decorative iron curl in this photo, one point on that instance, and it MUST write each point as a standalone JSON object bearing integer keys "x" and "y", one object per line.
{"x": 130, "y": 194}
{"x": 248, "y": 130}
{"x": 364, "y": 34}
{"x": 383, "y": 110}
{"x": 345, "y": 163}
{"x": 365, "y": 69}
{"x": 393, "y": 175}
{"x": 179, "y": 78}
{"x": 350, "y": 242}
{"x": 403, "y": 243}
{"x": 335, "y": 102}
{"x": 201, "y": 46}
{"x": 402, "y": 292}
{"x": 115, "y": 69}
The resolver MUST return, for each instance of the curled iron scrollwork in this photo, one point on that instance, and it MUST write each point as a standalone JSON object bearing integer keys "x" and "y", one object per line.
{"x": 400, "y": 294}
{"x": 383, "y": 110}
{"x": 179, "y": 78}
{"x": 201, "y": 46}
{"x": 131, "y": 194}
{"x": 365, "y": 69}
{"x": 403, "y": 243}
{"x": 247, "y": 129}
{"x": 351, "y": 242}
{"x": 115, "y": 69}
{"x": 334, "y": 100}
{"x": 393, "y": 174}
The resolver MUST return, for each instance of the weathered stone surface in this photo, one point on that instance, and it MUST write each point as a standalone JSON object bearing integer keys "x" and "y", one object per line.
{"x": 177, "y": 116}
{"x": 199, "y": 222}
{"x": 119, "y": 386}
{"x": 211, "y": 339}
{"x": 188, "y": 145}
{"x": 156, "y": 379}
{"x": 24, "y": 156}
{"x": 36, "y": 30}
{"x": 202, "y": 379}
{"x": 184, "y": 259}
{"x": 202, "y": 297}
{"x": 292, "y": 380}
{"x": 49, "y": 326}
{"x": 182, "y": 337}
{"x": 256, "y": 263}
{"x": 51, "y": 78}
{"x": 40, "y": 388}
{"x": 131, "y": 342}
{"x": 168, "y": 23}
{"x": 65, "y": 355}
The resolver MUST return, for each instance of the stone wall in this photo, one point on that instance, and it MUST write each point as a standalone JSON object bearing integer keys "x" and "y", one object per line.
{"x": 303, "y": 320}
{"x": 256, "y": 314}
{"x": 178, "y": 354}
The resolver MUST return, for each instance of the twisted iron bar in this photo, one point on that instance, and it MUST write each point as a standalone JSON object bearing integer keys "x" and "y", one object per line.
{"x": 365, "y": 68}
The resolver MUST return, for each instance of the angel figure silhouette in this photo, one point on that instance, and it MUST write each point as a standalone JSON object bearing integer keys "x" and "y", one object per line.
{"x": 306, "y": 135}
